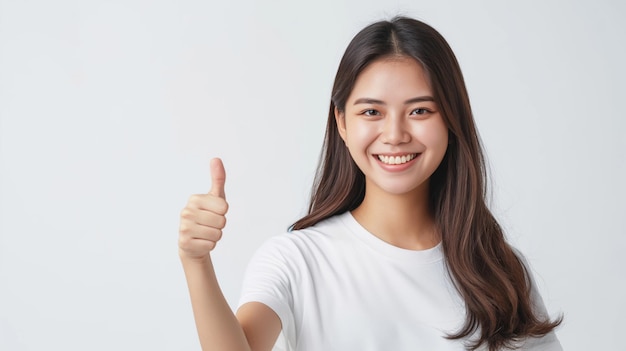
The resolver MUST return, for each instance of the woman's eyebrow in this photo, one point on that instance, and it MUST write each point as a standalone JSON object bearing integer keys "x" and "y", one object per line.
{"x": 419, "y": 99}
{"x": 369, "y": 101}
{"x": 380, "y": 102}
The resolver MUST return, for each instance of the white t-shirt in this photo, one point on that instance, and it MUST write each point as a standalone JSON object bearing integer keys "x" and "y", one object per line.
{"x": 335, "y": 286}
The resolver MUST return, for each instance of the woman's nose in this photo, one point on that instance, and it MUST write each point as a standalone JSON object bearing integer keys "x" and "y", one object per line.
{"x": 395, "y": 131}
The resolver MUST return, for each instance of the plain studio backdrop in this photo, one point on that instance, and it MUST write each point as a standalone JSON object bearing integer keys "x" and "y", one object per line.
{"x": 111, "y": 110}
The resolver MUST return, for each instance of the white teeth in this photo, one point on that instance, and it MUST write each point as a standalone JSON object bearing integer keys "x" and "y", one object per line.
{"x": 396, "y": 160}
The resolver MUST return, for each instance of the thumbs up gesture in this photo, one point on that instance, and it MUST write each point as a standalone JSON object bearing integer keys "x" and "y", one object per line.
{"x": 203, "y": 218}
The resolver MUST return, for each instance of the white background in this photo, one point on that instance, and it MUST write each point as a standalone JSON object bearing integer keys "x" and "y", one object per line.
{"x": 111, "y": 110}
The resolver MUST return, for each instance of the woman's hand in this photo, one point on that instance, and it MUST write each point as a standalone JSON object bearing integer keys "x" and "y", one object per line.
{"x": 203, "y": 218}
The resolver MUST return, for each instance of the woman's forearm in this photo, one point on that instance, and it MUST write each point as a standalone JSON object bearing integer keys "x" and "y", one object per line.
{"x": 218, "y": 328}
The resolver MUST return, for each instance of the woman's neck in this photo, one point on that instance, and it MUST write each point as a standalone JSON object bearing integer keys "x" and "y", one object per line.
{"x": 401, "y": 220}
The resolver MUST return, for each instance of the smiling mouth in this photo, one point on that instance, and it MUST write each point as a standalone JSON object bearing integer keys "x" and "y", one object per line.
{"x": 396, "y": 160}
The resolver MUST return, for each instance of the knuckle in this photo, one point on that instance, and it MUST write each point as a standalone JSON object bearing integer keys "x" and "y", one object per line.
{"x": 221, "y": 206}
{"x": 218, "y": 235}
{"x": 222, "y": 222}
{"x": 183, "y": 243}
{"x": 186, "y": 213}
{"x": 194, "y": 199}
{"x": 213, "y": 234}
{"x": 211, "y": 245}
{"x": 184, "y": 229}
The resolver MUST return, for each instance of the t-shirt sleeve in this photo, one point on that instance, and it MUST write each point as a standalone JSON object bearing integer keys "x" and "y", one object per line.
{"x": 269, "y": 279}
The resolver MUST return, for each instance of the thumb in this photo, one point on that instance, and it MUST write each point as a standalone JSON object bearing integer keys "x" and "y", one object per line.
{"x": 218, "y": 178}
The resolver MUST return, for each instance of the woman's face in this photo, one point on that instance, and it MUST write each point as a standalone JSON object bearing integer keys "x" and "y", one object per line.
{"x": 392, "y": 126}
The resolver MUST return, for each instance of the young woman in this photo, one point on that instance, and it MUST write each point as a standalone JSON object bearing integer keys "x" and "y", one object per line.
{"x": 399, "y": 250}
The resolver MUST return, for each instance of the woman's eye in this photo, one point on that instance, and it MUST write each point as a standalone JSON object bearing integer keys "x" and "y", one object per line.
{"x": 419, "y": 111}
{"x": 371, "y": 113}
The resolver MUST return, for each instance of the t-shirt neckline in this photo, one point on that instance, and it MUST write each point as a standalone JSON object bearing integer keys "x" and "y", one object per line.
{"x": 427, "y": 256}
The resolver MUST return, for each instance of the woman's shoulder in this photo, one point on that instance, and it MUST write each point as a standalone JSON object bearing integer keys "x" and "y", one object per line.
{"x": 315, "y": 238}
{"x": 325, "y": 229}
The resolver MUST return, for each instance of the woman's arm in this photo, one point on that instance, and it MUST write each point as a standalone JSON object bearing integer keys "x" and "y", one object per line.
{"x": 260, "y": 324}
{"x": 201, "y": 224}
{"x": 217, "y": 327}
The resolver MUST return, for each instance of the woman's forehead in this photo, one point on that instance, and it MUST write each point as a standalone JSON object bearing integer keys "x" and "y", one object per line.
{"x": 392, "y": 78}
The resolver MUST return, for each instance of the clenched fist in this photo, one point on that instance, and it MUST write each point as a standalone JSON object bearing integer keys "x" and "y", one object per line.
{"x": 202, "y": 220}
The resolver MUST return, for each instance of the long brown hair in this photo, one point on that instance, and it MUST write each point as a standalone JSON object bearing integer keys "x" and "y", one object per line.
{"x": 485, "y": 270}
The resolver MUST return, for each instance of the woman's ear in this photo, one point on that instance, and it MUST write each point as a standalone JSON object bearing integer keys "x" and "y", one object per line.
{"x": 340, "y": 119}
